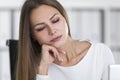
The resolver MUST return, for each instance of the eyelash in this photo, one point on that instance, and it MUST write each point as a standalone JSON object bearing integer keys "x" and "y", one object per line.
{"x": 40, "y": 29}
{"x": 55, "y": 21}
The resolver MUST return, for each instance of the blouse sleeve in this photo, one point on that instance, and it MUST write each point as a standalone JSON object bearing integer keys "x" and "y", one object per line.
{"x": 41, "y": 77}
{"x": 107, "y": 60}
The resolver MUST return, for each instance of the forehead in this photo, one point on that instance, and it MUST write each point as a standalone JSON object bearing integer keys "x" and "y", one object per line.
{"x": 42, "y": 12}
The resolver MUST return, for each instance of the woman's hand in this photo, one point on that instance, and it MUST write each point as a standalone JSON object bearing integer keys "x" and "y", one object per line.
{"x": 48, "y": 55}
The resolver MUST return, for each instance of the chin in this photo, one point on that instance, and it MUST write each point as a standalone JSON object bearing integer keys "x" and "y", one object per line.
{"x": 59, "y": 44}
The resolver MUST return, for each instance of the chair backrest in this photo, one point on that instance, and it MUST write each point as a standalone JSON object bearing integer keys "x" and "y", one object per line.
{"x": 13, "y": 51}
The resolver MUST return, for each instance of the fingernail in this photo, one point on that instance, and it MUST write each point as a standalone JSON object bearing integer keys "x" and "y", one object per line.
{"x": 61, "y": 51}
{"x": 64, "y": 52}
{"x": 61, "y": 60}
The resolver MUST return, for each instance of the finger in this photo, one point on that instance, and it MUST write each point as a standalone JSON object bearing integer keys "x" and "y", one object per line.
{"x": 56, "y": 54}
{"x": 59, "y": 57}
{"x": 61, "y": 51}
{"x": 53, "y": 53}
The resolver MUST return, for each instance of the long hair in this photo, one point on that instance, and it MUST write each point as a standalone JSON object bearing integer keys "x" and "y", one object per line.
{"x": 28, "y": 49}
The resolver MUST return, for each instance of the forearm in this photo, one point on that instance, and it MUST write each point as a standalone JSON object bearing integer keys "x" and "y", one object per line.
{"x": 43, "y": 69}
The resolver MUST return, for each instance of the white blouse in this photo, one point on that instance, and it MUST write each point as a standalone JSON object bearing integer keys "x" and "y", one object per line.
{"x": 94, "y": 66}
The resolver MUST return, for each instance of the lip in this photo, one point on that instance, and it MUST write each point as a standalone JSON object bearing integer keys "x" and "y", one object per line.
{"x": 56, "y": 39}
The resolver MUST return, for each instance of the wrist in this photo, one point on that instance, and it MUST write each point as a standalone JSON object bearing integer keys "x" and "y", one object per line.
{"x": 43, "y": 69}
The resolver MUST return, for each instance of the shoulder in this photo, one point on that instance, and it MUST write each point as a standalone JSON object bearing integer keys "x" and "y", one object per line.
{"x": 98, "y": 49}
{"x": 95, "y": 46}
{"x": 101, "y": 47}
{"x": 103, "y": 51}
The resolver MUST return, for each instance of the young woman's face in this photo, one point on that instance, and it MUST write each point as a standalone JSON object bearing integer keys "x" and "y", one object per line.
{"x": 49, "y": 26}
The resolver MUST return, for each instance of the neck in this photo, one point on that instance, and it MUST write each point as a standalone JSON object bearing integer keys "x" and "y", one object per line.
{"x": 70, "y": 49}
{"x": 66, "y": 47}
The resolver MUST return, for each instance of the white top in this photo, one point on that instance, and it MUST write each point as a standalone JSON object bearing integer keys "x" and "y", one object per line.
{"x": 94, "y": 66}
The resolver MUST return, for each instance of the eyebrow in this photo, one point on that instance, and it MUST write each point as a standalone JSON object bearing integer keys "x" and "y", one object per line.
{"x": 53, "y": 16}
{"x": 43, "y": 22}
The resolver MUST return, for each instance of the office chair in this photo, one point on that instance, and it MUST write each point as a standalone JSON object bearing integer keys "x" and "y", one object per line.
{"x": 13, "y": 48}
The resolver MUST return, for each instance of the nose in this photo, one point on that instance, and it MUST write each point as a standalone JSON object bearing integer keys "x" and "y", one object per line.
{"x": 52, "y": 30}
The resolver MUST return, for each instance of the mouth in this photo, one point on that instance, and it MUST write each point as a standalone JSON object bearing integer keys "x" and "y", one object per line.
{"x": 56, "y": 39}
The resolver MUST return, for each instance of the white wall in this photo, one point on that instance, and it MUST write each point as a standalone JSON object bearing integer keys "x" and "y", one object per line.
{"x": 11, "y": 3}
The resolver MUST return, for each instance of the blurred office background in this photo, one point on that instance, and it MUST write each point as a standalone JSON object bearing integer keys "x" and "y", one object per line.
{"x": 95, "y": 20}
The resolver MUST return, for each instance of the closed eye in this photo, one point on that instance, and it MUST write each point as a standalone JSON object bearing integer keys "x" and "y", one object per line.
{"x": 40, "y": 29}
{"x": 55, "y": 21}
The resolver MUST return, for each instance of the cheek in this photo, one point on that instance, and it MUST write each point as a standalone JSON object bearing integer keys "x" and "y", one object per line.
{"x": 40, "y": 38}
{"x": 64, "y": 27}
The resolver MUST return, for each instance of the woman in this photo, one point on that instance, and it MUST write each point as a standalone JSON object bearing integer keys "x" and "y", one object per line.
{"x": 47, "y": 51}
